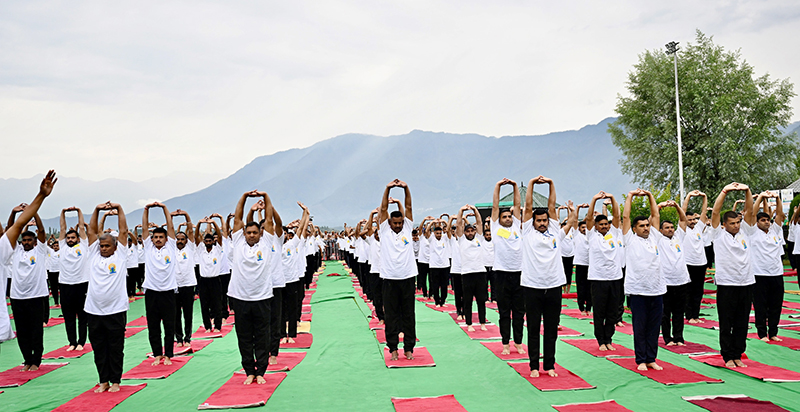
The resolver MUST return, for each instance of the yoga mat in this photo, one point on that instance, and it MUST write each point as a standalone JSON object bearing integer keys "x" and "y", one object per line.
{"x": 626, "y": 328}
{"x": 707, "y": 324}
{"x": 708, "y": 301}
{"x": 233, "y": 394}
{"x": 138, "y": 322}
{"x": 793, "y": 328}
{"x": 129, "y": 331}
{"x": 591, "y": 347}
{"x": 791, "y": 343}
{"x": 602, "y": 406}
{"x": 689, "y": 348}
{"x": 446, "y": 308}
{"x": 491, "y": 305}
{"x": 575, "y": 313}
{"x": 732, "y": 403}
{"x": 373, "y": 324}
{"x": 99, "y": 402}
{"x": 146, "y": 370}
{"x": 491, "y": 332}
{"x": 230, "y": 320}
{"x": 573, "y": 295}
{"x": 754, "y": 369}
{"x": 475, "y": 320}
{"x": 422, "y": 358}
{"x": 203, "y": 334}
{"x": 16, "y": 377}
{"x": 564, "y": 331}
{"x": 671, "y": 375}
{"x": 424, "y": 299}
{"x": 566, "y": 380}
{"x": 62, "y": 353}
{"x": 793, "y": 305}
{"x": 444, "y": 403}
{"x": 302, "y": 341}
{"x": 195, "y": 346}
{"x": 497, "y": 350}
{"x": 286, "y": 361}
{"x": 304, "y": 327}
{"x": 783, "y": 323}
{"x": 305, "y": 317}
{"x": 709, "y": 292}
{"x": 54, "y": 322}
{"x": 306, "y": 309}
{"x": 380, "y": 335}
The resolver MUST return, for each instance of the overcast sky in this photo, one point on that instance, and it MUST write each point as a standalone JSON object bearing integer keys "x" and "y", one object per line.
{"x": 142, "y": 89}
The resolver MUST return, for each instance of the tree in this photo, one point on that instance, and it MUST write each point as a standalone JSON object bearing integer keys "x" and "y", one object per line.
{"x": 730, "y": 120}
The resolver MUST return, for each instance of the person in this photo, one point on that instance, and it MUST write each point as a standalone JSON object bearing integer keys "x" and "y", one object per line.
{"x": 734, "y": 274}
{"x": 794, "y": 227}
{"x": 672, "y": 252}
{"x": 29, "y": 285}
{"x": 767, "y": 242}
{"x": 581, "y": 261}
{"x": 186, "y": 280}
{"x": 53, "y": 267}
{"x": 251, "y": 286}
{"x": 567, "y": 249}
{"x": 473, "y": 278}
{"x": 209, "y": 257}
{"x": 543, "y": 273}
{"x": 605, "y": 270}
{"x": 160, "y": 283}
{"x": 455, "y": 268}
{"x": 278, "y": 278}
{"x": 423, "y": 254}
{"x": 694, "y": 255}
{"x": 374, "y": 261}
{"x": 72, "y": 279}
{"x": 439, "y": 264}
{"x": 488, "y": 258}
{"x": 292, "y": 261}
{"x": 107, "y": 298}
{"x": 398, "y": 271}
{"x": 506, "y": 235}
{"x": 225, "y": 264}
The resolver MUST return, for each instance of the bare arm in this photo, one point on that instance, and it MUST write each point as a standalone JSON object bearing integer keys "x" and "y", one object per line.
{"x": 93, "y": 225}
{"x": 614, "y": 210}
{"x": 269, "y": 214}
{"x": 62, "y": 225}
{"x": 749, "y": 216}
{"x": 238, "y": 214}
{"x": 303, "y": 220}
{"x": 517, "y": 209}
{"x": 123, "y": 224}
{"x": 572, "y": 217}
{"x": 276, "y": 219}
{"x": 590, "y": 212}
{"x": 528, "y": 215}
{"x": 383, "y": 213}
{"x": 779, "y": 215}
{"x": 626, "y": 214}
{"x": 655, "y": 216}
{"x": 496, "y": 200}
{"x": 40, "y": 233}
{"x": 460, "y": 221}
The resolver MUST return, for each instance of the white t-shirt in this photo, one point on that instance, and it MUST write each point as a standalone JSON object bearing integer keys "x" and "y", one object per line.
{"x": 107, "y": 293}
{"x": 53, "y": 264}
{"x": 472, "y": 254}
{"x": 672, "y": 253}
{"x": 507, "y": 246}
{"x": 790, "y": 235}
{"x": 184, "y": 270}
{"x": 132, "y": 259}
{"x": 795, "y": 231}
{"x": 397, "y": 252}
{"x": 488, "y": 253}
{"x": 603, "y": 249}
{"x": 542, "y": 267}
{"x": 6, "y": 252}
{"x": 416, "y": 248}
{"x": 708, "y": 237}
{"x": 374, "y": 255}
{"x": 160, "y": 266}
{"x": 767, "y": 249}
{"x": 276, "y": 272}
{"x": 362, "y": 251}
{"x": 424, "y": 250}
{"x": 581, "y": 245}
{"x": 694, "y": 245}
{"x": 71, "y": 261}
{"x": 439, "y": 252}
{"x": 250, "y": 280}
{"x": 210, "y": 262}
{"x": 643, "y": 273}
{"x": 225, "y": 262}
{"x": 455, "y": 256}
{"x": 732, "y": 258}
{"x": 567, "y": 246}
{"x": 289, "y": 260}
{"x": 29, "y": 279}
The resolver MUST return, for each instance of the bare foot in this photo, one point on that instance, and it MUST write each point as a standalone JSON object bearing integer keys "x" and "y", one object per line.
{"x": 552, "y": 373}
{"x": 699, "y": 321}
{"x": 400, "y": 336}
{"x": 506, "y": 350}
{"x": 260, "y": 380}
{"x": 34, "y": 368}
{"x": 167, "y": 361}
{"x": 560, "y": 327}
{"x": 381, "y": 322}
{"x": 250, "y": 379}
{"x": 156, "y": 361}
{"x": 409, "y": 355}
{"x": 395, "y": 356}
{"x": 671, "y": 344}
{"x": 483, "y": 326}
{"x": 776, "y": 339}
{"x": 642, "y": 367}
{"x": 290, "y": 340}
{"x": 739, "y": 363}
{"x": 101, "y": 387}
{"x": 79, "y": 348}
{"x": 730, "y": 364}
{"x": 655, "y": 366}
{"x": 520, "y": 350}
{"x": 470, "y": 328}
{"x": 610, "y": 347}
{"x": 602, "y": 348}
{"x": 681, "y": 344}
{"x": 765, "y": 339}
{"x": 693, "y": 321}
{"x": 215, "y": 331}
{"x": 284, "y": 340}
{"x": 273, "y": 360}
{"x": 620, "y": 324}
{"x": 114, "y": 387}
{"x": 26, "y": 368}
{"x": 534, "y": 373}
{"x": 70, "y": 348}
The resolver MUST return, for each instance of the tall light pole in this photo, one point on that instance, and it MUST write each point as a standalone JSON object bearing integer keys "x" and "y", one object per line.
{"x": 672, "y": 48}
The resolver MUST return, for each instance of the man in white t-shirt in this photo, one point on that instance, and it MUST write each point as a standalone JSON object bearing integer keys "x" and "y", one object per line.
{"x": 567, "y": 250}
{"x": 695, "y": 255}
{"x": 605, "y": 271}
{"x": 734, "y": 274}
{"x": 439, "y": 261}
{"x": 672, "y": 251}
{"x": 581, "y": 260}
{"x": 209, "y": 258}
{"x": 107, "y": 298}
{"x": 543, "y": 274}
{"x": 186, "y": 280}
{"x": 488, "y": 257}
{"x": 53, "y": 267}
{"x": 473, "y": 272}
{"x": 507, "y": 238}
{"x": 292, "y": 262}
{"x": 73, "y": 280}
{"x": 455, "y": 269}
{"x": 160, "y": 284}
{"x": 766, "y": 241}
{"x": 374, "y": 276}
{"x": 29, "y": 284}
{"x": 399, "y": 272}
{"x": 794, "y": 233}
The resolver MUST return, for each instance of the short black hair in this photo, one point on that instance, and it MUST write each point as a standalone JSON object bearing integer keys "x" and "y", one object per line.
{"x": 208, "y": 236}
{"x": 469, "y": 226}
{"x": 582, "y": 222}
{"x": 160, "y": 231}
{"x": 666, "y": 221}
{"x": 251, "y": 224}
{"x": 729, "y": 215}
{"x": 395, "y": 214}
{"x": 762, "y": 215}
{"x": 414, "y": 232}
{"x": 540, "y": 211}
{"x": 439, "y": 228}
{"x": 28, "y": 233}
{"x": 503, "y": 210}
{"x": 71, "y": 231}
{"x": 600, "y": 218}
{"x": 181, "y": 233}
{"x": 637, "y": 219}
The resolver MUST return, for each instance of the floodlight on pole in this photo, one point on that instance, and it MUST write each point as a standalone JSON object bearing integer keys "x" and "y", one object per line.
{"x": 672, "y": 48}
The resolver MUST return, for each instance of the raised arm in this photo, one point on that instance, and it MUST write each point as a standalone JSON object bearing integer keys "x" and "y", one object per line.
{"x": 715, "y": 217}
{"x": 572, "y": 217}
{"x": 122, "y": 222}
{"x": 614, "y": 210}
{"x": 40, "y": 233}
{"x": 220, "y": 233}
{"x": 626, "y": 214}
{"x": 761, "y": 198}
{"x": 383, "y": 212}
{"x": 590, "y": 212}
{"x": 145, "y": 221}
{"x": 749, "y": 216}
{"x": 370, "y": 229}
{"x": 517, "y": 209}
{"x": 779, "y": 215}
{"x": 269, "y": 214}
{"x": 276, "y": 220}
{"x": 408, "y": 214}
{"x": 655, "y": 216}
{"x": 62, "y": 225}
{"x": 303, "y": 221}
{"x": 399, "y": 205}
{"x": 238, "y": 214}
{"x": 496, "y": 200}
{"x": 94, "y": 227}
{"x": 460, "y": 221}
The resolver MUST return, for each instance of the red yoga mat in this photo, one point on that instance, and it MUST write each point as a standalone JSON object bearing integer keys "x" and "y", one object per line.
{"x": 380, "y": 335}
{"x": 754, "y": 369}
{"x": 373, "y": 324}
{"x": 491, "y": 305}
{"x": 305, "y": 317}
{"x": 62, "y": 353}
{"x": 602, "y": 406}
{"x": 302, "y": 341}
{"x": 445, "y": 403}
{"x": 573, "y": 295}
{"x": 129, "y": 331}
{"x": 497, "y": 350}
{"x": 203, "y": 334}
{"x": 54, "y": 322}
{"x": 424, "y": 299}
{"x": 475, "y": 320}
{"x": 689, "y": 348}
{"x": 575, "y": 313}
{"x": 707, "y": 324}
{"x": 566, "y": 380}
{"x": 146, "y": 370}
{"x": 626, "y": 328}
{"x": 422, "y": 358}
{"x": 783, "y": 323}
{"x": 591, "y": 347}
{"x": 446, "y": 308}
{"x": 791, "y": 343}
{"x": 671, "y": 375}
{"x": 100, "y": 402}
{"x": 16, "y": 377}
{"x": 230, "y": 320}
{"x": 286, "y": 361}
{"x": 708, "y": 301}
{"x": 491, "y": 332}
{"x": 233, "y": 394}
{"x": 793, "y": 305}
{"x": 564, "y": 331}
{"x": 195, "y": 346}
{"x": 138, "y": 322}
{"x": 732, "y": 403}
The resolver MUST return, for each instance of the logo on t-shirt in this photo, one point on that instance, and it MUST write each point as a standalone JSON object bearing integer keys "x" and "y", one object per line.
{"x": 214, "y": 261}
{"x": 405, "y": 241}
{"x": 698, "y": 237}
{"x": 516, "y": 236}
{"x": 33, "y": 260}
{"x": 611, "y": 244}
{"x": 258, "y": 256}
{"x": 112, "y": 269}
{"x": 184, "y": 255}
{"x": 78, "y": 252}
{"x": 166, "y": 260}
{"x": 273, "y": 248}
{"x": 744, "y": 244}
{"x": 678, "y": 248}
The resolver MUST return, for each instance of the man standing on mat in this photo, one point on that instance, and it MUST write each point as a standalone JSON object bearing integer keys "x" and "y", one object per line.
{"x": 695, "y": 255}
{"x": 53, "y": 267}
{"x": 439, "y": 253}
{"x": 251, "y": 286}
{"x": 644, "y": 284}
{"x": 72, "y": 279}
{"x": 581, "y": 261}
{"x": 734, "y": 274}
{"x": 605, "y": 271}
{"x": 767, "y": 252}
{"x": 671, "y": 250}
{"x": 374, "y": 277}
{"x": 209, "y": 257}
{"x": 107, "y": 298}
{"x": 473, "y": 277}
{"x": 543, "y": 273}
{"x": 186, "y": 279}
{"x": 507, "y": 238}
{"x": 399, "y": 272}
{"x": 160, "y": 284}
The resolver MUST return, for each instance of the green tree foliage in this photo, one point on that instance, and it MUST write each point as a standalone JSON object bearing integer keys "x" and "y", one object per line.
{"x": 731, "y": 122}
